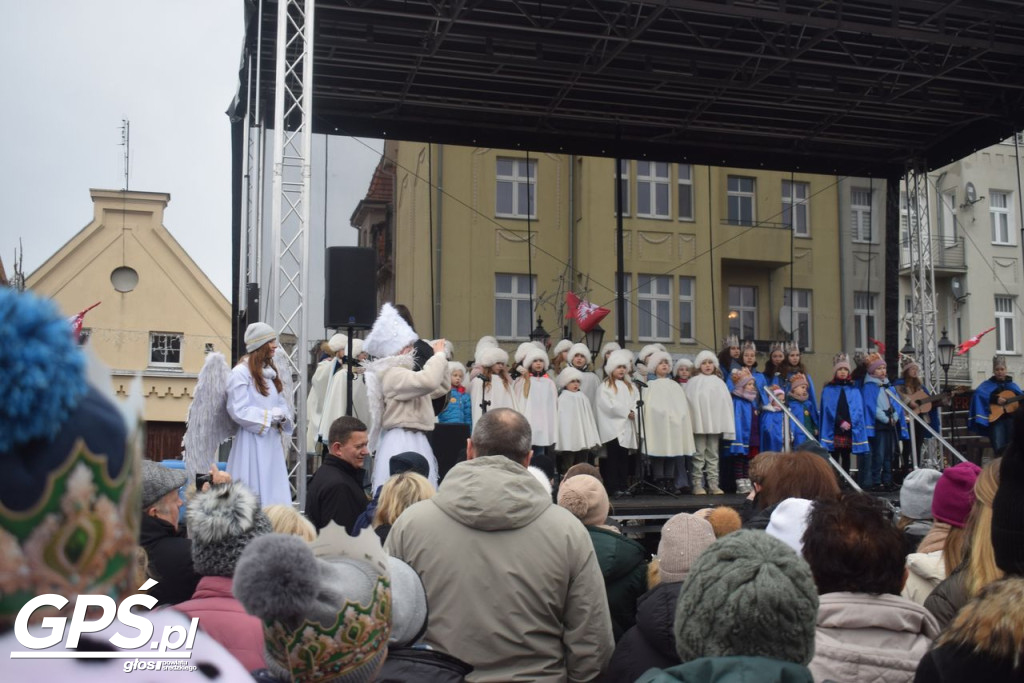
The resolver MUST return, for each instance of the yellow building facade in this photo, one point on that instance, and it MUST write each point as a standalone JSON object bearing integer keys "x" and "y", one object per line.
{"x": 158, "y": 314}
{"x": 707, "y": 250}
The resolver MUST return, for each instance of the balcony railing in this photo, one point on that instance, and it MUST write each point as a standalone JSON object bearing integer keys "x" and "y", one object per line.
{"x": 947, "y": 254}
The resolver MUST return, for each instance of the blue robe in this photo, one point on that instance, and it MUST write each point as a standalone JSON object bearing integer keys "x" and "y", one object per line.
{"x": 806, "y": 411}
{"x": 829, "y": 405}
{"x": 977, "y": 422}
{"x": 870, "y": 397}
{"x": 771, "y": 430}
{"x": 743, "y": 411}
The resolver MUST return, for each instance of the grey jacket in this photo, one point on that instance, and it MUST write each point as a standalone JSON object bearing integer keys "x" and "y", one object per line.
{"x": 512, "y": 582}
{"x": 870, "y": 638}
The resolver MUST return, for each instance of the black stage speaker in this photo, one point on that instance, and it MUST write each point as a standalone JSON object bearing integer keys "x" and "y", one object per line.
{"x": 350, "y": 298}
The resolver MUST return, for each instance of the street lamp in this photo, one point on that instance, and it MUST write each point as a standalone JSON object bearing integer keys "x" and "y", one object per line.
{"x": 540, "y": 334}
{"x": 594, "y": 340}
{"x": 946, "y": 349}
{"x": 908, "y": 348}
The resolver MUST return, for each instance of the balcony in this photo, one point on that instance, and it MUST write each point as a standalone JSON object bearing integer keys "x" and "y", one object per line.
{"x": 947, "y": 255}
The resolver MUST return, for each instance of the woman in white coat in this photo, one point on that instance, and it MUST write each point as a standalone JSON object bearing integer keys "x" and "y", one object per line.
{"x": 616, "y": 420}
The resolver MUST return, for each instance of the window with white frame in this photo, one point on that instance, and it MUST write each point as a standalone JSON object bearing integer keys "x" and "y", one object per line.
{"x": 799, "y": 301}
{"x": 654, "y": 307}
{"x": 687, "y": 308}
{"x": 652, "y": 189}
{"x": 627, "y": 288}
{"x": 1006, "y": 332}
{"x": 685, "y": 192}
{"x": 860, "y": 215}
{"x": 743, "y": 312}
{"x": 999, "y": 212}
{"x": 741, "y": 193}
{"x": 864, "y": 316}
{"x": 165, "y": 349}
{"x": 625, "y": 189}
{"x": 516, "y": 188}
{"x": 513, "y": 318}
{"x": 794, "y": 207}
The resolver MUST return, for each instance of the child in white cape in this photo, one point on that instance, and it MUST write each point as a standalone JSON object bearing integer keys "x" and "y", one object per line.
{"x": 711, "y": 413}
{"x": 577, "y": 430}
{"x": 537, "y": 397}
{"x": 667, "y": 428}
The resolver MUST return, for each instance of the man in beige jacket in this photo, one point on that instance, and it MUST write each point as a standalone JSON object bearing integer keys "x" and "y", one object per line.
{"x": 512, "y": 582}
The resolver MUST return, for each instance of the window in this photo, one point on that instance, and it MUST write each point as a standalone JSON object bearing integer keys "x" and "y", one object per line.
{"x": 685, "y": 192}
{"x": 947, "y": 218}
{"x": 860, "y": 215}
{"x": 627, "y": 286}
{"x": 863, "y": 320}
{"x": 741, "y": 200}
{"x": 513, "y": 318}
{"x": 794, "y": 206}
{"x": 999, "y": 211}
{"x": 652, "y": 189}
{"x": 625, "y": 189}
{"x": 799, "y": 301}
{"x": 687, "y": 307}
{"x": 654, "y": 306}
{"x": 743, "y": 312}
{"x": 1006, "y": 339}
{"x": 516, "y": 188}
{"x": 165, "y": 349}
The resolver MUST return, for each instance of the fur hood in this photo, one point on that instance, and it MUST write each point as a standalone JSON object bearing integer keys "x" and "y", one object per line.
{"x": 986, "y": 625}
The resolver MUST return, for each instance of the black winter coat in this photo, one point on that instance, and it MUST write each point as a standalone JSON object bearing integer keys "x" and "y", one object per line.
{"x": 169, "y": 556}
{"x": 413, "y": 665}
{"x": 948, "y": 598}
{"x": 651, "y": 643}
{"x": 336, "y": 493}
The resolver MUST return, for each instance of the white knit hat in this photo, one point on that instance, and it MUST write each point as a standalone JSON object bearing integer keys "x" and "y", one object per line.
{"x": 487, "y": 342}
{"x": 789, "y": 522}
{"x": 533, "y": 355}
{"x": 622, "y": 357}
{"x": 703, "y": 356}
{"x": 487, "y": 357}
{"x": 258, "y": 334}
{"x": 657, "y": 357}
{"x": 389, "y": 334}
{"x": 579, "y": 350}
{"x": 563, "y": 345}
{"x": 569, "y": 374}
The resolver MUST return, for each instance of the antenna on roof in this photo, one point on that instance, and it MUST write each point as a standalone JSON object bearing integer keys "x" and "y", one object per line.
{"x": 125, "y": 142}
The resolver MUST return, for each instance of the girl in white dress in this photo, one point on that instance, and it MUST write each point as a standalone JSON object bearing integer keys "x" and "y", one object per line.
{"x": 667, "y": 428}
{"x": 492, "y": 387}
{"x": 616, "y": 420}
{"x": 711, "y": 412}
{"x": 579, "y": 358}
{"x": 264, "y": 417}
{"x": 537, "y": 397}
{"x": 577, "y": 431}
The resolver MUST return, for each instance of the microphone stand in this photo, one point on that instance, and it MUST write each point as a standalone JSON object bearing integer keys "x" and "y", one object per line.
{"x": 483, "y": 400}
{"x": 644, "y": 481}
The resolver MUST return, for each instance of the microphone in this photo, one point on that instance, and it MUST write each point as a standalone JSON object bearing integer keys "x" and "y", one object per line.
{"x": 639, "y": 383}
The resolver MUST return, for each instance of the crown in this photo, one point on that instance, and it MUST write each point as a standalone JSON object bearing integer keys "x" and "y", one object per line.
{"x": 731, "y": 340}
{"x": 776, "y": 346}
{"x": 748, "y": 346}
{"x": 792, "y": 346}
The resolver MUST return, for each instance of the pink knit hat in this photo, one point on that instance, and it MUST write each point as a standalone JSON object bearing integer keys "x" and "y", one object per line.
{"x": 584, "y": 496}
{"x": 954, "y": 494}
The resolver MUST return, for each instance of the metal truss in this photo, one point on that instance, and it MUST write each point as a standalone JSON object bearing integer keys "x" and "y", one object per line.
{"x": 252, "y": 182}
{"x": 286, "y": 300}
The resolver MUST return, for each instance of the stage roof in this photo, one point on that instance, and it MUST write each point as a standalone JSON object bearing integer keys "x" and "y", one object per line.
{"x": 847, "y": 88}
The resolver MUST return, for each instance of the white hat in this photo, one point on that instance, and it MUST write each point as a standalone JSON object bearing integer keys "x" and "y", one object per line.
{"x": 579, "y": 350}
{"x": 389, "y": 334}
{"x": 620, "y": 358}
{"x": 684, "y": 362}
{"x": 258, "y": 334}
{"x": 522, "y": 350}
{"x": 487, "y": 342}
{"x": 449, "y": 350}
{"x": 338, "y": 342}
{"x": 705, "y": 355}
{"x": 789, "y": 522}
{"x": 487, "y": 357}
{"x": 655, "y": 358}
{"x": 533, "y": 355}
{"x": 563, "y": 345}
{"x": 608, "y": 348}
{"x": 646, "y": 351}
{"x": 454, "y": 365}
{"x": 569, "y": 374}
{"x": 357, "y": 347}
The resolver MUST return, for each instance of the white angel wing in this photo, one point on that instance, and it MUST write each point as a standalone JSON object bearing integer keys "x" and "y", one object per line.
{"x": 208, "y": 422}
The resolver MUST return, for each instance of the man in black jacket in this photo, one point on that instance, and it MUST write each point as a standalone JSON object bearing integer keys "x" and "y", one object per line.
{"x": 336, "y": 490}
{"x": 168, "y": 550}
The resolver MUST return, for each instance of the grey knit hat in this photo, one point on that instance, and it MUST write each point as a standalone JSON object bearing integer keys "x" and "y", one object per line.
{"x": 221, "y": 522}
{"x": 917, "y": 493}
{"x": 750, "y": 595}
{"x": 158, "y": 481}
{"x": 683, "y": 538}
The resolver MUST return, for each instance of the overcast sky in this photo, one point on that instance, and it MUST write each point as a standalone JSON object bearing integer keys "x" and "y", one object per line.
{"x": 72, "y": 70}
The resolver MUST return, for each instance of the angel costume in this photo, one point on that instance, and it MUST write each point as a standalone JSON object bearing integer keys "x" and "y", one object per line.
{"x": 667, "y": 428}
{"x": 577, "y": 430}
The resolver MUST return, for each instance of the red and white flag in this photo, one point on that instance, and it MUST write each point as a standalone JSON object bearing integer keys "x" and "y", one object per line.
{"x": 973, "y": 341}
{"x": 585, "y": 313}
{"x": 76, "y": 321}
{"x": 879, "y": 345}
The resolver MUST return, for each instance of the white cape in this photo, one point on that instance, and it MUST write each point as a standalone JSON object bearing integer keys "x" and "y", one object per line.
{"x": 315, "y": 401}
{"x": 589, "y": 385}
{"x": 612, "y": 413}
{"x": 495, "y": 392}
{"x": 577, "y": 430}
{"x": 667, "y": 425}
{"x": 711, "y": 409}
{"x": 540, "y": 408}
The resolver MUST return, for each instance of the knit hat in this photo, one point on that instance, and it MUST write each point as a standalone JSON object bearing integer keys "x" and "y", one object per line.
{"x": 740, "y": 379}
{"x": 874, "y": 361}
{"x": 409, "y": 461}
{"x": 533, "y": 355}
{"x": 338, "y": 342}
{"x": 840, "y": 360}
{"x": 683, "y": 538}
{"x": 656, "y": 358}
{"x": 584, "y": 496}
{"x": 1008, "y": 506}
{"x": 486, "y": 342}
{"x": 569, "y": 374}
{"x": 258, "y": 334}
{"x": 488, "y": 356}
{"x": 788, "y": 522}
{"x": 917, "y": 493}
{"x": 389, "y": 334}
{"x": 326, "y": 608}
{"x": 748, "y": 595}
{"x": 221, "y": 522}
{"x": 620, "y": 358}
{"x": 70, "y": 490}
{"x": 703, "y": 356}
{"x": 563, "y": 345}
{"x": 954, "y": 494}
{"x": 158, "y": 481}
{"x": 798, "y": 380}
{"x": 579, "y": 350}
{"x": 724, "y": 520}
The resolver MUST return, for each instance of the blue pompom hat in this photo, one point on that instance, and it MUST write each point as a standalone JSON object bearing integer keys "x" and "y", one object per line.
{"x": 69, "y": 495}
